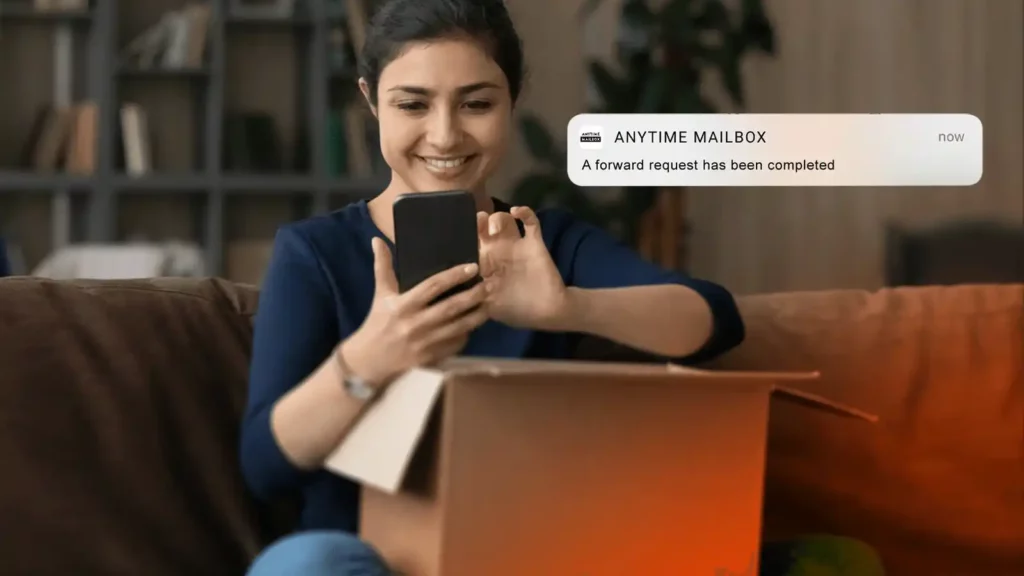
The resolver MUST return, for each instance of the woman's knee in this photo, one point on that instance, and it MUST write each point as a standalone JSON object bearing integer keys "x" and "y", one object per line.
{"x": 319, "y": 553}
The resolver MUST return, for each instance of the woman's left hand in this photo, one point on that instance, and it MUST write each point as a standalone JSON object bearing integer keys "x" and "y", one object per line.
{"x": 524, "y": 287}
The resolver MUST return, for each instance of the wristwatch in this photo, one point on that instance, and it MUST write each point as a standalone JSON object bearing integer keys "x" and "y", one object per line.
{"x": 358, "y": 388}
{"x": 355, "y": 387}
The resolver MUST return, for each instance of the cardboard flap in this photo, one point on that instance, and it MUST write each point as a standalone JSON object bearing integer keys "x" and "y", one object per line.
{"x": 783, "y": 392}
{"x": 378, "y": 449}
{"x": 744, "y": 375}
{"x": 822, "y": 403}
{"x": 502, "y": 366}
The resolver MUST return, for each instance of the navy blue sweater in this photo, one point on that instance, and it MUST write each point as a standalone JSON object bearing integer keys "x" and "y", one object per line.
{"x": 317, "y": 291}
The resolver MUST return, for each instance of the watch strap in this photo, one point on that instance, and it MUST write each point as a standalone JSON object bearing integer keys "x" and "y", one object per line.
{"x": 355, "y": 386}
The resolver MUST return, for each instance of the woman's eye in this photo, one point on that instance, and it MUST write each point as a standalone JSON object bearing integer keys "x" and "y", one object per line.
{"x": 412, "y": 106}
{"x": 478, "y": 105}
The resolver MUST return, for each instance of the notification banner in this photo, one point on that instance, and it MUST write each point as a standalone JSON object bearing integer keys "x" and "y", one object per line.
{"x": 668, "y": 150}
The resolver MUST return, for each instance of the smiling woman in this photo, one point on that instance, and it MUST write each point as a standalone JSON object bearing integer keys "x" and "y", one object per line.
{"x": 442, "y": 81}
{"x": 333, "y": 329}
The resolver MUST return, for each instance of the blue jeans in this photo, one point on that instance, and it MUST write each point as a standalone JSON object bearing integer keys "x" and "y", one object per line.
{"x": 335, "y": 553}
{"x": 319, "y": 553}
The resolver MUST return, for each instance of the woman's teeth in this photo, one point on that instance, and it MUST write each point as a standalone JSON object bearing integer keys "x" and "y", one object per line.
{"x": 445, "y": 164}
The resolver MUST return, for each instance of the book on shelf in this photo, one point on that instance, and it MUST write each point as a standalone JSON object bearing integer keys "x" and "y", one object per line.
{"x": 63, "y": 137}
{"x": 81, "y": 154}
{"x": 135, "y": 140}
{"x": 177, "y": 41}
{"x": 46, "y": 147}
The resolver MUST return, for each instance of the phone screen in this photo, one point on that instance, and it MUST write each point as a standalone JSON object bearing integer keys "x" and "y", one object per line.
{"x": 434, "y": 231}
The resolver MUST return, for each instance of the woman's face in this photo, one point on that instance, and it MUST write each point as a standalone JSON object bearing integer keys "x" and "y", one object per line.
{"x": 444, "y": 111}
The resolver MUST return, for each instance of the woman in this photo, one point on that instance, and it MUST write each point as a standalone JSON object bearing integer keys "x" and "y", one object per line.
{"x": 442, "y": 78}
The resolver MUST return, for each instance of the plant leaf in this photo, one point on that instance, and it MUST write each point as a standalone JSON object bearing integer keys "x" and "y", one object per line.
{"x": 756, "y": 27}
{"x": 712, "y": 15}
{"x": 690, "y": 101}
{"x": 758, "y": 33}
{"x": 677, "y": 26}
{"x": 537, "y": 138}
{"x": 637, "y": 15}
{"x": 730, "y": 65}
{"x": 652, "y": 94}
{"x": 609, "y": 87}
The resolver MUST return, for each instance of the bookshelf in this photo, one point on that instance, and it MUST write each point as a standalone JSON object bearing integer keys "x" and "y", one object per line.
{"x": 198, "y": 169}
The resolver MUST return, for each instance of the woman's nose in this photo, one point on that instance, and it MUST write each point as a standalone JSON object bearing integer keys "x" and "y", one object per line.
{"x": 443, "y": 131}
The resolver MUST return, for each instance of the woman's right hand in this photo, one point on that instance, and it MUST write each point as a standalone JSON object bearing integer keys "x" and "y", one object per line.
{"x": 403, "y": 331}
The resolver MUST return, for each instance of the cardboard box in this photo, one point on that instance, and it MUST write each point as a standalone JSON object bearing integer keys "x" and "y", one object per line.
{"x": 526, "y": 468}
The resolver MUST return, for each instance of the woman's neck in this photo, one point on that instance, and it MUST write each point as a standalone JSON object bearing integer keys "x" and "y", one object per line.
{"x": 380, "y": 206}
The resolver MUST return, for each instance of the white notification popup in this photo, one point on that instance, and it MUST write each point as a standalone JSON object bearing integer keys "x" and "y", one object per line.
{"x": 669, "y": 150}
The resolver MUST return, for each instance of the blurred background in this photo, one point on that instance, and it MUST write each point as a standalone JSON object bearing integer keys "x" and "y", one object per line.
{"x": 165, "y": 137}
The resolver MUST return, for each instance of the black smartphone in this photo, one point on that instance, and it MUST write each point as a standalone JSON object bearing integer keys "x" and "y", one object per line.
{"x": 433, "y": 232}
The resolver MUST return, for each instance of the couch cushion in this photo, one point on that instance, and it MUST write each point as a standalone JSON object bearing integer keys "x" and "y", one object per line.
{"x": 937, "y": 484}
{"x": 119, "y": 410}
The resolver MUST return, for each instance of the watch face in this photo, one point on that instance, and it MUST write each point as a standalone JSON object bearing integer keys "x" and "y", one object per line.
{"x": 358, "y": 390}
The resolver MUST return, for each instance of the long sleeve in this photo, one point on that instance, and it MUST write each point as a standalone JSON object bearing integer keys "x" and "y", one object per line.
{"x": 601, "y": 261}
{"x": 296, "y": 329}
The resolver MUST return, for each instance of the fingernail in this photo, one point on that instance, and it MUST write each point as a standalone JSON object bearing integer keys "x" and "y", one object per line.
{"x": 492, "y": 228}
{"x": 470, "y": 269}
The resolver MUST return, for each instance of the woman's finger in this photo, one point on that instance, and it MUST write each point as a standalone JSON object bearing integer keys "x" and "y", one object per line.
{"x": 451, "y": 308}
{"x": 482, "y": 219}
{"x": 500, "y": 224}
{"x": 385, "y": 283}
{"x": 421, "y": 295}
{"x": 531, "y": 224}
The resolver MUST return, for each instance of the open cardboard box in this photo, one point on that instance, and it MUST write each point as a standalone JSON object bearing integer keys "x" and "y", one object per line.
{"x": 544, "y": 468}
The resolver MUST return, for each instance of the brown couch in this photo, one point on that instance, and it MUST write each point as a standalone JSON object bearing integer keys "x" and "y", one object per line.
{"x": 119, "y": 409}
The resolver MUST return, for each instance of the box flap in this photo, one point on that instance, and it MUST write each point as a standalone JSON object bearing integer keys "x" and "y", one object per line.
{"x": 743, "y": 374}
{"x": 822, "y": 403}
{"x": 378, "y": 449}
{"x": 783, "y": 392}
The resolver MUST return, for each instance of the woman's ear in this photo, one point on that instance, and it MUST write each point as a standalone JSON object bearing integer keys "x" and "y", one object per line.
{"x": 364, "y": 87}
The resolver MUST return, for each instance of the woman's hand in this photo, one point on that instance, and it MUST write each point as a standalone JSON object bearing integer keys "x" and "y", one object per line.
{"x": 524, "y": 287}
{"x": 403, "y": 331}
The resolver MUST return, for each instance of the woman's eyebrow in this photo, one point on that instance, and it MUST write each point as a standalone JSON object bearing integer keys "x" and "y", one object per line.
{"x": 462, "y": 90}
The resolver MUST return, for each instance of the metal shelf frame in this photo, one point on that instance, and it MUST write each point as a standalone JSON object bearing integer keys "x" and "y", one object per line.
{"x": 312, "y": 21}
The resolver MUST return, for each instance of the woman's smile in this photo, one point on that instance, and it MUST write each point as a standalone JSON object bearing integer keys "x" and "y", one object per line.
{"x": 448, "y": 166}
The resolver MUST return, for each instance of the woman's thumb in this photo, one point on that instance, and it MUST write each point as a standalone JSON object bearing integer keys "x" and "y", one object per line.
{"x": 383, "y": 271}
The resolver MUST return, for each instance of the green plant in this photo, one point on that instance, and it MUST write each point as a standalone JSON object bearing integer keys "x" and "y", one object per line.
{"x": 662, "y": 56}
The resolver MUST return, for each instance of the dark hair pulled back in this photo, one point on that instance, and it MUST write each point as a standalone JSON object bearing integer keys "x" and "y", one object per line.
{"x": 396, "y": 23}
